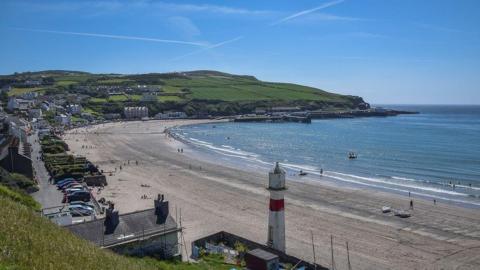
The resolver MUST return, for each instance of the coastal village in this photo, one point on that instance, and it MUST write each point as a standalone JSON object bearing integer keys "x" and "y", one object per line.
{"x": 66, "y": 148}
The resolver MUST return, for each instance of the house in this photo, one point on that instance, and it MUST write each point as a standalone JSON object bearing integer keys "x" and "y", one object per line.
{"x": 171, "y": 115}
{"x": 35, "y": 113}
{"x": 32, "y": 83}
{"x": 152, "y": 232}
{"x": 45, "y": 106}
{"x": 63, "y": 119}
{"x": 29, "y": 95}
{"x": 260, "y": 259}
{"x": 14, "y": 162}
{"x": 19, "y": 104}
{"x": 149, "y": 98}
{"x": 112, "y": 116}
{"x": 135, "y": 112}
{"x": 88, "y": 116}
{"x": 6, "y": 89}
{"x": 74, "y": 109}
{"x": 18, "y": 127}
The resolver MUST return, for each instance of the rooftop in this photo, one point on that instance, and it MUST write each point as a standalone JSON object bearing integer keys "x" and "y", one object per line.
{"x": 131, "y": 226}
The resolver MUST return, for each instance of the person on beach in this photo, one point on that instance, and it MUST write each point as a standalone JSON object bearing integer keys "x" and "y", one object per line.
{"x": 321, "y": 171}
{"x": 409, "y": 194}
{"x": 434, "y": 202}
{"x": 411, "y": 204}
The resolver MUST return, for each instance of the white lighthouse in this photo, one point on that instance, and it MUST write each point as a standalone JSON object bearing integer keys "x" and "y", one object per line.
{"x": 276, "y": 218}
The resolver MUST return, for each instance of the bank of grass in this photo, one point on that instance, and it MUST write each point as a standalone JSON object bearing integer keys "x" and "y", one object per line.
{"x": 16, "y": 91}
{"x": 29, "y": 241}
{"x": 19, "y": 197}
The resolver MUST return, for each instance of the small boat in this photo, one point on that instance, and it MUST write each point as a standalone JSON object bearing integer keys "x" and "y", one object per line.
{"x": 386, "y": 209}
{"x": 302, "y": 173}
{"x": 403, "y": 214}
{"x": 352, "y": 155}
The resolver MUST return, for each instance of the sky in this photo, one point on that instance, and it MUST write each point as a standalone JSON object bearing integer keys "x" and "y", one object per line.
{"x": 387, "y": 51}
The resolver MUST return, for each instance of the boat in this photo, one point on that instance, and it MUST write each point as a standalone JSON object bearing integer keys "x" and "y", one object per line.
{"x": 352, "y": 155}
{"x": 386, "y": 209}
{"x": 403, "y": 214}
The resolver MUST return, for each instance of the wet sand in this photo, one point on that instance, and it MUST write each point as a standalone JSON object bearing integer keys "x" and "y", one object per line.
{"x": 213, "y": 197}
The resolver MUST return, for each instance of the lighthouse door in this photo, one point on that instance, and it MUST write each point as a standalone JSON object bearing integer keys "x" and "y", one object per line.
{"x": 270, "y": 235}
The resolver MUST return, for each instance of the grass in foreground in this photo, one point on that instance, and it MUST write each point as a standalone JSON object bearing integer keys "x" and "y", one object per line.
{"x": 29, "y": 241}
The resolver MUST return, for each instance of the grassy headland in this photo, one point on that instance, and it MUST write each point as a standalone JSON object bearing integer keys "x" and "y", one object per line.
{"x": 196, "y": 92}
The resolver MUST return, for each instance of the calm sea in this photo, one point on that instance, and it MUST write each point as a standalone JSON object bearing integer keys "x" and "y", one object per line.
{"x": 434, "y": 154}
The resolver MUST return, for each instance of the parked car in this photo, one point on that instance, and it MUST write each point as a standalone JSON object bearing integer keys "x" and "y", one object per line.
{"x": 72, "y": 185}
{"x": 77, "y": 210}
{"x": 82, "y": 204}
{"x": 71, "y": 190}
{"x": 65, "y": 180}
{"x": 60, "y": 186}
{"x": 83, "y": 196}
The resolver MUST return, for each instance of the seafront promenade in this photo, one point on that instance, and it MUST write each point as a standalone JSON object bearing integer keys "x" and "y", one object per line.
{"x": 214, "y": 198}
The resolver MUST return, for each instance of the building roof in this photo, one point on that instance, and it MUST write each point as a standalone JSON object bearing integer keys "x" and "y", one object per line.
{"x": 263, "y": 254}
{"x": 131, "y": 226}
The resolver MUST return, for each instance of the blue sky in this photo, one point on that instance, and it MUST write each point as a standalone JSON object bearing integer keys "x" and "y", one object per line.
{"x": 387, "y": 51}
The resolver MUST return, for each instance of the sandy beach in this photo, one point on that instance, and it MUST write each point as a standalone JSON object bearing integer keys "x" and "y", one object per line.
{"x": 213, "y": 197}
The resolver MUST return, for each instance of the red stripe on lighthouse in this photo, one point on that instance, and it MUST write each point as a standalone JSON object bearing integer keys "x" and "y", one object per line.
{"x": 276, "y": 205}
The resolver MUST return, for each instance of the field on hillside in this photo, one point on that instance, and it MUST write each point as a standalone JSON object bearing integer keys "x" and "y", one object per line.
{"x": 195, "y": 93}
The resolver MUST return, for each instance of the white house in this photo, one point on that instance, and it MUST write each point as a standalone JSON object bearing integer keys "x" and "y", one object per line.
{"x": 18, "y": 127}
{"x": 18, "y": 104}
{"x": 135, "y": 112}
{"x": 74, "y": 108}
{"x": 171, "y": 115}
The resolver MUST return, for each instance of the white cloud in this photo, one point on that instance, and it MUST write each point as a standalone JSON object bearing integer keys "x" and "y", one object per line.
{"x": 308, "y": 11}
{"x": 208, "y": 48}
{"x": 210, "y": 8}
{"x": 200, "y": 44}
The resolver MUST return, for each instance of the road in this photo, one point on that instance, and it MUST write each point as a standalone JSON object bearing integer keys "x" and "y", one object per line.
{"x": 47, "y": 195}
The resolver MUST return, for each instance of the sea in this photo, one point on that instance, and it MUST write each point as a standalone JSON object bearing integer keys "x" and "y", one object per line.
{"x": 434, "y": 154}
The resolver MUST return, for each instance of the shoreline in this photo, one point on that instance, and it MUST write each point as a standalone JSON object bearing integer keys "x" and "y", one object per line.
{"x": 337, "y": 179}
{"x": 214, "y": 197}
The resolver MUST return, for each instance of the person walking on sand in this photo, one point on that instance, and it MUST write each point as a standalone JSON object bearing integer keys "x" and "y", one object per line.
{"x": 411, "y": 204}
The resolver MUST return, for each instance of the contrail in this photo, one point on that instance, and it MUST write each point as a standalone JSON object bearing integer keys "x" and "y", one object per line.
{"x": 115, "y": 37}
{"x": 208, "y": 48}
{"x": 308, "y": 11}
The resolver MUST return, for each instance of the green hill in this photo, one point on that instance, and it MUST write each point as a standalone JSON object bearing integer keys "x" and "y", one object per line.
{"x": 195, "y": 92}
{"x": 29, "y": 241}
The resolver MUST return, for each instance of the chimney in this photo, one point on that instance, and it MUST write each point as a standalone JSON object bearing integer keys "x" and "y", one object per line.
{"x": 161, "y": 209}
{"x": 111, "y": 219}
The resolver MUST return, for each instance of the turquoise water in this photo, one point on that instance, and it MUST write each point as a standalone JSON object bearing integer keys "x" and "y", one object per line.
{"x": 425, "y": 154}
